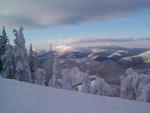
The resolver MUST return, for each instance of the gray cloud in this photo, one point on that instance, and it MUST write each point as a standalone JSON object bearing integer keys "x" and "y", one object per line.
{"x": 87, "y": 42}
{"x": 95, "y": 40}
{"x": 17, "y": 20}
{"x": 45, "y": 13}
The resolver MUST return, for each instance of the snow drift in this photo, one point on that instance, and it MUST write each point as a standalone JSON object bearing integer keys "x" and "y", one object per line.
{"x": 21, "y": 97}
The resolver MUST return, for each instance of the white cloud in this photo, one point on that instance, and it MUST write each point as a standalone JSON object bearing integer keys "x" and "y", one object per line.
{"x": 86, "y": 42}
{"x": 63, "y": 48}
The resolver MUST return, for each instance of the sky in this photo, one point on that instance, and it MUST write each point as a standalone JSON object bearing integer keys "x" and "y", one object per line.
{"x": 65, "y": 21}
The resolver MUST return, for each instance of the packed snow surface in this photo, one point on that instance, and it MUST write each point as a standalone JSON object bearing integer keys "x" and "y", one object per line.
{"x": 21, "y": 97}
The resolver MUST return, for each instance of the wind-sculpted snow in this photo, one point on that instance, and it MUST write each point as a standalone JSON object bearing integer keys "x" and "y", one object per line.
{"x": 21, "y": 97}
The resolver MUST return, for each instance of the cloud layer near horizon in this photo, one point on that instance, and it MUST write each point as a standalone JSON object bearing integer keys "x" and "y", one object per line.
{"x": 46, "y": 13}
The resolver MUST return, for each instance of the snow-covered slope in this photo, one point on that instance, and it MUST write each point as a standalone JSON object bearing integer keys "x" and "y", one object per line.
{"x": 21, "y": 97}
{"x": 143, "y": 57}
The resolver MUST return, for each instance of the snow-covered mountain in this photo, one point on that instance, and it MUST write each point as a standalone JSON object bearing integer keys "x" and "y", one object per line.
{"x": 100, "y": 52}
{"x": 105, "y": 61}
{"x": 21, "y": 97}
{"x": 143, "y": 57}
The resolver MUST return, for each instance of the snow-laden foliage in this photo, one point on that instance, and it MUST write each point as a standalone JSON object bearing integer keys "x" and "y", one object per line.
{"x": 3, "y": 46}
{"x": 22, "y": 71}
{"x": 86, "y": 83}
{"x": 8, "y": 62}
{"x": 72, "y": 77}
{"x": 101, "y": 87}
{"x": 66, "y": 82}
{"x": 75, "y": 74}
{"x": 33, "y": 62}
{"x": 40, "y": 76}
{"x": 135, "y": 86}
{"x": 56, "y": 73}
{"x": 127, "y": 88}
{"x": 3, "y": 41}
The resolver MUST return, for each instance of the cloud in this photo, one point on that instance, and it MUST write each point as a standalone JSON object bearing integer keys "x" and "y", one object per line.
{"x": 65, "y": 41}
{"x": 46, "y": 13}
{"x": 87, "y": 42}
{"x": 78, "y": 40}
{"x": 17, "y": 20}
{"x": 63, "y": 48}
{"x": 69, "y": 44}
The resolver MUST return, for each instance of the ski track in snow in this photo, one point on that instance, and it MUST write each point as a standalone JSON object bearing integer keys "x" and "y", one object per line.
{"x": 21, "y": 97}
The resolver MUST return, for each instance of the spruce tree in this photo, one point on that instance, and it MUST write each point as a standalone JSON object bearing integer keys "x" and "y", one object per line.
{"x": 3, "y": 45}
{"x": 40, "y": 76}
{"x": 86, "y": 83}
{"x": 33, "y": 62}
{"x": 8, "y": 62}
{"x": 56, "y": 70}
{"x": 22, "y": 69}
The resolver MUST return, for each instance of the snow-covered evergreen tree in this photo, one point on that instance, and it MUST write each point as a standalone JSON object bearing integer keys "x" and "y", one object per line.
{"x": 40, "y": 76}
{"x": 101, "y": 87}
{"x": 8, "y": 62}
{"x": 22, "y": 70}
{"x": 133, "y": 85}
{"x": 86, "y": 83}
{"x": 3, "y": 42}
{"x": 127, "y": 88}
{"x": 3, "y": 46}
{"x": 56, "y": 73}
{"x": 66, "y": 81}
{"x": 33, "y": 62}
{"x": 75, "y": 73}
{"x": 73, "y": 77}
